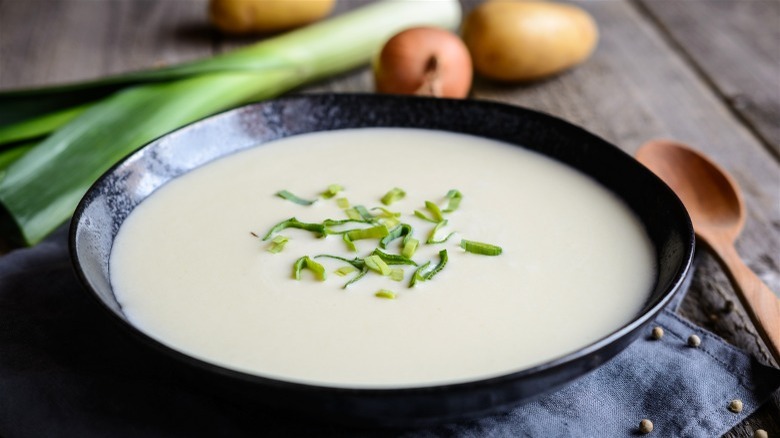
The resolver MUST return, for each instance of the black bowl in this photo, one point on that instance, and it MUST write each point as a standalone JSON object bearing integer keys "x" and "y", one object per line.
{"x": 110, "y": 200}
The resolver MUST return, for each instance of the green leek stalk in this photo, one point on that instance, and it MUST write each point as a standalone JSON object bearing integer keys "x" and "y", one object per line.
{"x": 40, "y": 190}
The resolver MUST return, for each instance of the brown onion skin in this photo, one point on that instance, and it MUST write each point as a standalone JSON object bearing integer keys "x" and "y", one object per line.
{"x": 403, "y": 65}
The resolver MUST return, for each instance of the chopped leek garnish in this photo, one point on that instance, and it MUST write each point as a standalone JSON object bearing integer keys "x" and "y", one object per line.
{"x": 376, "y": 232}
{"x": 418, "y": 274}
{"x": 393, "y": 259}
{"x": 393, "y": 195}
{"x": 436, "y": 215}
{"x": 277, "y": 244}
{"x": 397, "y": 274}
{"x": 332, "y": 191}
{"x": 356, "y": 262}
{"x": 410, "y": 247}
{"x": 377, "y": 264}
{"x": 442, "y": 262}
{"x": 295, "y": 223}
{"x": 337, "y": 222}
{"x": 364, "y": 213}
{"x": 386, "y": 294}
{"x": 306, "y": 263}
{"x": 402, "y": 230}
{"x": 357, "y": 277}
{"x": 454, "y": 197}
{"x": 378, "y": 260}
{"x": 353, "y": 214}
{"x": 284, "y": 194}
{"x": 432, "y": 236}
{"x": 343, "y": 203}
{"x": 423, "y": 216}
{"x": 435, "y": 211}
{"x": 386, "y": 213}
{"x": 480, "y": 248}
{"x": 344, "y": 270}
{"x": 390, "y": 222}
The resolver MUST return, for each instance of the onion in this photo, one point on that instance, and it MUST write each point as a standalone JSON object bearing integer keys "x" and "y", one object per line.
{"x": 424, "y": 61}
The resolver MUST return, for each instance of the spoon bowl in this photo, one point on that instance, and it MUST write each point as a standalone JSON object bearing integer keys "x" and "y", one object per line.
{"x": 710, "y": 194}
{"x": 714, "y": 203}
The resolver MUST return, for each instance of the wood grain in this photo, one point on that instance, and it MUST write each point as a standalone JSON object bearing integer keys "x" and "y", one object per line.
{"x": 655, "y": 74}
{"x": 53, "y": 41}
{"x": 737, "y": 52}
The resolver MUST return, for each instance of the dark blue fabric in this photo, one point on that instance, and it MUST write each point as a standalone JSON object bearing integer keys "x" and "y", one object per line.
{"x": 65, "y": 370}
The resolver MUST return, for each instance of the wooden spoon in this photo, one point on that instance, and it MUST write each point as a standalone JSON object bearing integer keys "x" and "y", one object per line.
{"x": 714, "y": 202}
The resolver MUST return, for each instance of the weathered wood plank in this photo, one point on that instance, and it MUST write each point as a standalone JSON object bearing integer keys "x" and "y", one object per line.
{"x": 629, "y": 99}
{"x": 56, "y": 41}
{"x": 738, "y": 52}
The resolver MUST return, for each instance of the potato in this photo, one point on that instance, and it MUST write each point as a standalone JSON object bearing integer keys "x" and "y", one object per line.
{"x": 526, "y": 40}
{"x": 264, "y": 16}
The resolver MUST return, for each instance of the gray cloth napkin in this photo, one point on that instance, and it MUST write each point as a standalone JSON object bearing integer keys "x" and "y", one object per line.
{"x": 66, "y": 370}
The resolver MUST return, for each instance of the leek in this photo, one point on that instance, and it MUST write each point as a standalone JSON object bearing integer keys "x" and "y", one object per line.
{"x": 386, "y": 294}
{"x": 40, "y": 190}
{"x": 480, "y": 248}
{"x": 320, "y": 229}
{"x": 38, "y": 126}
{"x": 284, "y": 194}
{"x": 306, "y": 262}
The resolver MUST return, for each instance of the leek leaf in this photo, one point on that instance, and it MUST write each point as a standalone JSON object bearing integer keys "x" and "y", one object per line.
{"x": 318, "y": 50}
{"x": 38, "y": 126}
{"x": 284, "y": 194}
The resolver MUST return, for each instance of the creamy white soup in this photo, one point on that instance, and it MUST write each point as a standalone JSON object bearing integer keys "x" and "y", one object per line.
{"x": 189, "y": 271}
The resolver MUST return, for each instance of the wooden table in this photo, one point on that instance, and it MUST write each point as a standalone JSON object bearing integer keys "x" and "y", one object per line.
{"x": 703, "y": 72}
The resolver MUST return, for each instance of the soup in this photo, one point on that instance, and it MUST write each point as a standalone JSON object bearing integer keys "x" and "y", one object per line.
{"x": 190, "y": 268}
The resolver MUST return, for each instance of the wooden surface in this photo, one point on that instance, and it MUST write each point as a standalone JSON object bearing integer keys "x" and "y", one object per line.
{"x": 698, "y": 71}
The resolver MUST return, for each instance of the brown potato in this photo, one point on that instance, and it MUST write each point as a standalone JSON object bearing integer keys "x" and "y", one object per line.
{"x": 524, "y": 40}
{"x": 264, "y": 16}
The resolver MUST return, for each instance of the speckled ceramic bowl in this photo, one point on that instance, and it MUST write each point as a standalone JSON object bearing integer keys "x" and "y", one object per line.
{"x": 114, "y": 196}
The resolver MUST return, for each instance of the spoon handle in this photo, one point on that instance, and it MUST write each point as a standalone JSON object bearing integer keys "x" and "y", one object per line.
{"x": 762, "y": 305}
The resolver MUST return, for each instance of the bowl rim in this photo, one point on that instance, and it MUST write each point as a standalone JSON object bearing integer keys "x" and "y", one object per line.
{"x": 646, "y": 314}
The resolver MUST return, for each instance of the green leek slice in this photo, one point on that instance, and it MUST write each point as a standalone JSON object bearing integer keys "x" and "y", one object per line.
{"x": 277, "y": 244}
{"x": 344, "y": 270}
{"x": 374, "y": 262}
{"x": 332, "y": 191}
{"x": 435, "y": 211}
{"x": 442, "y": 262}
{"x": 295, "y": 223}
{"x": 432, "y": 236}
{"x": 393, "y": 195}
{"x": 386, "y": 294}
{"x": 402, "y": 230}
{"x": 284, "y": 194}
{"x": 410, "y": 247}
{"x": 357, "y": 277}
{"x": 397, "y": 274}
{"x": 454, "y": 197}
{"x": 350, "y": 236}
{"x": 307, "y": 263}
{"x": 480, "y": 248}
{"x": 419, "y": 274}
{"x": 393, "y": 259}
